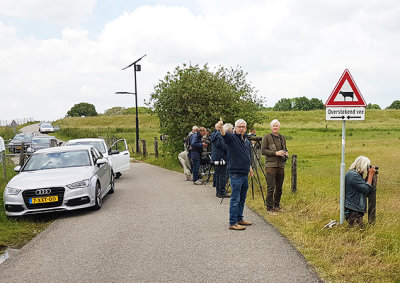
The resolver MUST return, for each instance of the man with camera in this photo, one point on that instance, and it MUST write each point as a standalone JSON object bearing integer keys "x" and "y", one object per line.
{"x": 276, "y": 154}
{"x": 238, "y": 157}
{"x": 218, "y": 157}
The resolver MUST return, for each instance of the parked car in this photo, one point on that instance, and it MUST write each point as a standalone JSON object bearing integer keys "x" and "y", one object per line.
{"x": 15, "y": 144}
{"x": 45, "y": 128}
{"x": 117, "y": 155}
{"x": 59, "y": 179}
{"x": 40, "y": 142}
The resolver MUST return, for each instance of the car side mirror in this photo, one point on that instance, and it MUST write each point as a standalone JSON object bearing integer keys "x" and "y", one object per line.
{"x": 17, "y": 169}
{"x": 60, "y": 143}
{"x": 29, "y": 150}
{"x": 101, "y": 161}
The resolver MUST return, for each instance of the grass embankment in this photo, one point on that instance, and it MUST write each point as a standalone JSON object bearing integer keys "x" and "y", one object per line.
{"x": 16, "y": 232}
{"x": 339, "y": 254}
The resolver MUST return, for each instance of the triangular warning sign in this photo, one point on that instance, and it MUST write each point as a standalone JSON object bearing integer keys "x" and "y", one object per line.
{"x": 346, "y": 93}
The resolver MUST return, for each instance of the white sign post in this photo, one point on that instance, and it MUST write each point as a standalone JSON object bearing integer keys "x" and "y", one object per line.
{"x": 345, "y": 104}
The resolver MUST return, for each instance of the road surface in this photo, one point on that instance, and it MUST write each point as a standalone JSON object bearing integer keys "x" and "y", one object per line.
{"x": 157, "y": 227}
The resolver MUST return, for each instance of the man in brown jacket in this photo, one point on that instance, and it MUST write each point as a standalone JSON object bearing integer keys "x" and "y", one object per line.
{"x": 276, "y": 154}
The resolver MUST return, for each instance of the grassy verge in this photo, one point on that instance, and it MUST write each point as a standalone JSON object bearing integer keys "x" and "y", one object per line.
{"x": 16, "y": 232}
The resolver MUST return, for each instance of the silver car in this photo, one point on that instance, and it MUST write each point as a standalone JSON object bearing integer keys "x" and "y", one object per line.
{"x": 45, "y": 128}
{"x": 59, "y": 179}
{"x": 40, "y": 142}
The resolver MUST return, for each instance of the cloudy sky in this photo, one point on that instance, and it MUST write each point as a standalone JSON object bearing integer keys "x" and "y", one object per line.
{"x": 56, "y": 53}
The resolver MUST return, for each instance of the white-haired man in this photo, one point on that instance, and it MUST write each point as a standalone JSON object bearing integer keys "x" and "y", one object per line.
{"x": 276, "y": 154}
{"x": 238, "y": 158}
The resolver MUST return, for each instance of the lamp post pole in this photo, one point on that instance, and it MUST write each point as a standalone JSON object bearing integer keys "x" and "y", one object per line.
{"x": 136, "y": 67}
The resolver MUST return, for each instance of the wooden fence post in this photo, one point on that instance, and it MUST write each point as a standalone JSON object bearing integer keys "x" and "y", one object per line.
{"x": 372, "y": 200}
{"x": 144, "y": 148}
{"x": 138, "y": 147}
{"x": 155, "y": 147}
{"x": 22, "y": 154}
{"x": 4, "y": 161}
{"x": 294, "y": 173}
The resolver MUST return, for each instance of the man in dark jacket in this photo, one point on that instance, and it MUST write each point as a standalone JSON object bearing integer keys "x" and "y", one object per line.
{"x": 238, "y": 157}
{"x": 218, "y": 154}
{"x": 195, "y": 153}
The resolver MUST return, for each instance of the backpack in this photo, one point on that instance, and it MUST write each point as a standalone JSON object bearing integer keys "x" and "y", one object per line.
{"x": 186, "y": 142}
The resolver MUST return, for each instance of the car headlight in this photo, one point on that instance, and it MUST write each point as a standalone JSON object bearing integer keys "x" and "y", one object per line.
{"x": 11, "y": 191}
{"x": 80, "y": 184}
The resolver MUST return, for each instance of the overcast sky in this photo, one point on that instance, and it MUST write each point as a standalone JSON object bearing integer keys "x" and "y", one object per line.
{"x": 57, "y": 53}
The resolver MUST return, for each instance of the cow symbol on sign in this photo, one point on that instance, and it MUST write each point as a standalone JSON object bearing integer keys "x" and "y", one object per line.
{"x": 347, "y": 94}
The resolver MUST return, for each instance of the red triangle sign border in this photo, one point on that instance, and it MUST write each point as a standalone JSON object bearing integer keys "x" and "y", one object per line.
{"x": 331, "y": 100}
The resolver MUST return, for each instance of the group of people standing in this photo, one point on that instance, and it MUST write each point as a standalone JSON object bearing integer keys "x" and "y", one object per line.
{"x": 231, "y": 150}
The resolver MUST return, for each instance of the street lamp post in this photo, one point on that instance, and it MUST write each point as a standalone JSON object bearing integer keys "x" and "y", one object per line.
{"x": 138, "y": 69}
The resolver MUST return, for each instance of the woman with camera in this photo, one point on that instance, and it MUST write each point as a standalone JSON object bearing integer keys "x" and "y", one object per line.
{"x": 357, "y": 188}
{"x": 276, "y": 154}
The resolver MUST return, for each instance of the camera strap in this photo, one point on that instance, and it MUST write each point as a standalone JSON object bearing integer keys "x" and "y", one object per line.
{"x": 280, "y": 138}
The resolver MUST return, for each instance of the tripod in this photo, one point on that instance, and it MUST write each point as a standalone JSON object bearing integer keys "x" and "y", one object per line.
{"x": 255, "y": 160}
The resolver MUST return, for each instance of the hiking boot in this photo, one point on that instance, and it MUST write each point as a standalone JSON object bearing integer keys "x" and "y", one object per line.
{"x": 246, "y": 223}
{"x": 237, "y": 227}
{"x": 198, "y": 182}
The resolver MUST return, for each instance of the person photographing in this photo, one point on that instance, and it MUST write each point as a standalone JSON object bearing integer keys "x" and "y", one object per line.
{"x": 238, "y": 163}
{"x": 357, "y": 188}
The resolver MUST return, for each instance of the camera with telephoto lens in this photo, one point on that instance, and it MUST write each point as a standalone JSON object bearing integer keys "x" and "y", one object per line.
{"x": 218, "y": 162}
{"x": 254, "y": 138}
{"x": 376, "y": 168}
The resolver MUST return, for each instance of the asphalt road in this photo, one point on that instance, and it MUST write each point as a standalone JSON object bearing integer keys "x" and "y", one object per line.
{"x": 157, "y": 227}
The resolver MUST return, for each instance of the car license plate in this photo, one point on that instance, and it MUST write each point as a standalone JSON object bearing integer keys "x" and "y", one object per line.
{"x": 43, "y": 199}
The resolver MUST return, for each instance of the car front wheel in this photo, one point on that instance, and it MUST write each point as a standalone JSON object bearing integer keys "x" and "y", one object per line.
{"x": 112, "y": 184}
{"x": 98, "y": 199}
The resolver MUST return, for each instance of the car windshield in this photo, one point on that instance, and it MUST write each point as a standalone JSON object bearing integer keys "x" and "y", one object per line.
{"x": 47, "y": 126}
{"x": 24, "y": 137}
{"x": 97, "y": 144}
{"x": 41, "y": 141}
{"x": 55, "y": 160}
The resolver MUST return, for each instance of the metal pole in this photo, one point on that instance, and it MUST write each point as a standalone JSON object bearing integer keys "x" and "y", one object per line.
{"x": 137, "y": 117}
{"x": 342, "y": 174}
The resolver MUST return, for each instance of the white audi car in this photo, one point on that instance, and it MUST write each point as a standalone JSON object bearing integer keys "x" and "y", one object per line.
{"x": 59, "y": 179}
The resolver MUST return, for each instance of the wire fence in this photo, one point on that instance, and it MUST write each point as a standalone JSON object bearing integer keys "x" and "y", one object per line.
{"x": 15, "y": 122}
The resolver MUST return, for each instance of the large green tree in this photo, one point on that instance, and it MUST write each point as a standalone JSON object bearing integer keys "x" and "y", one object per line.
{"x": 82, "y": 109}
{"x": 284, "y": 104}
{"x": 194, "y": 95}
{"x": 395, "y": 105}
{"x": 373, "y": 106}
{"x": 298, "y": 104}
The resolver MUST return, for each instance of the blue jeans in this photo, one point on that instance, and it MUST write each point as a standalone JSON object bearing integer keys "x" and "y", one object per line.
{"x": 195, "y": 169}
{"x": 239, "y": 185}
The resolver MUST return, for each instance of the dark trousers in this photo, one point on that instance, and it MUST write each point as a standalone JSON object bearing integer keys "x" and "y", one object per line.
{"x": 220, "y": 176}
{"x": 195, "y": 169}
{"x": 354, "y": 217}
{"x": 275, "y": 177}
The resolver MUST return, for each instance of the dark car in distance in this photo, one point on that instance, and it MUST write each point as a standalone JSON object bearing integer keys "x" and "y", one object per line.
{"x": 15, "y": 144}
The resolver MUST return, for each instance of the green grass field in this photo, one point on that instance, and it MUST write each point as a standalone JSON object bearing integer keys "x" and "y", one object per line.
{"x": 340, "y": 254}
